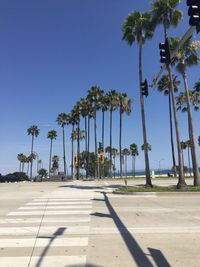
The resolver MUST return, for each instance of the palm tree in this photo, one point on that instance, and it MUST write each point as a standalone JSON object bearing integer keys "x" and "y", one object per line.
{"x": 112, "y": 105}
{"x": 55, "y": 163}
{"x": 125, "y": 153}
{"x": 124, "y": 104}
{"x": 165, "y": 12}
{"x": 34, "y": 131}
{"x": 188, "y": 56}
{"x": 103, "y": 105}
{"x": 149, "y": 147}
{"x": 164, "y": 86}
{"x": 62, "y": 121}
{"x": 52, "y": 136}
{"x": 93, "y": 96}
{"x": 137, "y": 26}
{"x": 134, "y": 152}
{"x": 21, "y": 158}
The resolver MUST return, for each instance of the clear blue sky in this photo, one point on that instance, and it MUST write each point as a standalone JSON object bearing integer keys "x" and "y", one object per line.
{"x": 52, "y": 52}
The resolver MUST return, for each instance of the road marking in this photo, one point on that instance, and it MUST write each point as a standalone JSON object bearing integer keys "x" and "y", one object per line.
{"x": 55, "y": 207}
{"x": 44, "y": 230}
{"x": 45, "y": 220}
{"x": 61, "y": 199}
{"x": 43, "y": 242}
{"x": 50, "y": 261}
{"x": 58, "y": 203}
{"x": 52, "y": 212}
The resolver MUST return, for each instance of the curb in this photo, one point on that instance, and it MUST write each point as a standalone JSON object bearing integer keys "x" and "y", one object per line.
{"x": 155, "y": 193}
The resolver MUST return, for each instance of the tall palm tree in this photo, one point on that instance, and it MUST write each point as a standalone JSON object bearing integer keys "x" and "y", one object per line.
{"x": 112, "y": 105}
{"x": 72, "y": 120}
{"x": 93, "y": 96}
{"x": 164, "y": 86}
{"x": 62, "y": 121}
{"x": 20, "y": 158}
{"x": 164, "y": 12}
{"x": 188, "y": 56}
{"x": 52, "y": 136}
{"x": 138, "y": 27}
{"x": 124, "y": 104}
{"x": 103, "y": 105}
{"x": 134, "y": 152}
{"x": 125, "y": 153}
{"x": 76, "y": 114}
{"x": 34, "y": 132}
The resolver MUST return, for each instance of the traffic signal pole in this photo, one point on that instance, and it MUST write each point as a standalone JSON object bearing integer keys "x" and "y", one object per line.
{"x": 173, "y": 54}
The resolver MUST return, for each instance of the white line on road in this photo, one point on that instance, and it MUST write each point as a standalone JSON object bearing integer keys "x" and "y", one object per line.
{"x": 55, "y": 207}
{"x": 58, "y": 203}
{"x": 43, "y": 242}
{"x": 50, "y": 261}
{"x": 45, "y": 220}
{"x": 52, "y": 212}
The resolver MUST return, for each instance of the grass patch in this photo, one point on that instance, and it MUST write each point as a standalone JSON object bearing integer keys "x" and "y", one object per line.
{"x": 133, "y": 189}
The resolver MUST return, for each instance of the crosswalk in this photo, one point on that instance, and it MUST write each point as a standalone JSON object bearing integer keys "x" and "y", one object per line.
{"x": 48, "y": 231}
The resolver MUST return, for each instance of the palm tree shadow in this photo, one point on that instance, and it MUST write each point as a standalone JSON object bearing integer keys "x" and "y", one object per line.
{"x": 59, "y": 231}
{"x": 135, "y": 250}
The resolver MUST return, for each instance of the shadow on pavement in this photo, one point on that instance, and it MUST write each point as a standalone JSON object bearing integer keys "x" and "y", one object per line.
{"x": 60, "y": 231}
{"x": 81, "y": 265}
{"x": 159, "y": 258}
{"x": 135, "y": 250}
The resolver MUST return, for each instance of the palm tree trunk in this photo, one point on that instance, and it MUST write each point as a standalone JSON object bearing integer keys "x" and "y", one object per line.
{"x": 134, "y": 166}
{"x": 78, "y": 151}
{"x": 88, "y": 143}
{"x": 191, "y": 131}
{"x": 120, "y": 141}
{"x": 181, "y": 180}
{"x": 95, "y": 140}
{"x": 50, "y": 157}
{"x": 171, "y": 134}
{"x": 189, "y": 165}
{"x": 28, "y": 168}
{"x": 147, "y": 168}
{"x": 72, "y": 160}
{"x": 64, "y": 157}
{"x": 126, "y": 165}
{"x": 110, "y": 144}
{"x": 20, "y": 166}
{"x": 31, "y": 169}
{"x": 103, "y": 123}
{"x": 114, "y": 165}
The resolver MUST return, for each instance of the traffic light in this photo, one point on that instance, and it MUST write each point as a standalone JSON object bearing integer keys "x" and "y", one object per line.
{"x": 194, "y": 13}
{"x": 75, "y": 159}
{"x": 144, "y": 88}
{"x": 165, "y": 52}
{"x": 101, "y": 158}
{"x": 100, "y": 149}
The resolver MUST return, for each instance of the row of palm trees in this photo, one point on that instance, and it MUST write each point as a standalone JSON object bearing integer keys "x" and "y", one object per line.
{"x": 140, "y": 27}
{"x": 87, "y": 109}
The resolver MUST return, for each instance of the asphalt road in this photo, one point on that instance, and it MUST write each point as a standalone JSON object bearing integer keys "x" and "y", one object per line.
{"x": 83, "y": 224}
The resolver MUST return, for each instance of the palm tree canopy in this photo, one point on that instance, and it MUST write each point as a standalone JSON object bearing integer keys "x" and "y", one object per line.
{"x": 103, "y": 102}
{"x": 125, "y": 152}
{"x": 197, "y": 86}
{"x": 107, "y": 149}
{"x": 181, "y": 100}
{"x": 78, "y": 134}
{"x": 52, "y": 134}
{"x": 33, "y": 130}
{"x": 137, "y": 25}
{"x": 94, "y": 94}
{"x": 62, "y": 119}
{"x": 149, "y": 147}
{"x": 164, "y": 11}
{"x": 134, "y": 150}
{"x": 187, "y": 54}
{"x": 84, "y": 107}
{"x": 113, "y": 100}
{"x": 164, "y": 84}
{"x": 55, "y": 158}
{"x": 183, "y": 145}
{"x": 114, "y": 152}
{"x": 124, "y": 103}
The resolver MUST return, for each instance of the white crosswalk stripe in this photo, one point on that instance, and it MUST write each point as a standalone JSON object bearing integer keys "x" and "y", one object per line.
{"x": 44, "y": 224}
